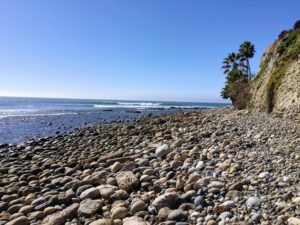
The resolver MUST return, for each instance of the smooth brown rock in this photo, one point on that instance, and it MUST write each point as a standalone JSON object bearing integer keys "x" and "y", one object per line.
{"x": 102, "y": 222}
{"x": 137, "y": 206}
{"x": 22, "y": 220}
{"x": 58, "y": 218}
{"x": 163, "y": 213}
{"x": 106, "y": 191}
{"x": 116, "y": 167}
{"x": 61, "y": 217}
{"x": 26, "y": 209}
{"x": 119, "y": 213}
{"x": 37, "y": 215}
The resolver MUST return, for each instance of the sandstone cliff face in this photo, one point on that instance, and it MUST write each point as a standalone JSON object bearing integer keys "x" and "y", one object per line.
{"x": 276, "y": 88}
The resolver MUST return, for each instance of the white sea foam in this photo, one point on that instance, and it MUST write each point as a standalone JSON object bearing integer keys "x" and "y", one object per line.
{"x": 35, "y": 114}
{"x": 146, "y": 105}
{"x": 136, "y": 105}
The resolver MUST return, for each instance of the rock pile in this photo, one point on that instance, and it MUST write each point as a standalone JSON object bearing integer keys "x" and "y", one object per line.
{"x": 209, "y": 167}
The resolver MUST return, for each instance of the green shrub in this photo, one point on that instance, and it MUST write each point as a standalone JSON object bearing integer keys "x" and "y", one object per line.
{"x": 297, "y": 25}
{"x": 283, "y": 33}
{"x": 240, "y": 94}
{"x": 287, "y": 42}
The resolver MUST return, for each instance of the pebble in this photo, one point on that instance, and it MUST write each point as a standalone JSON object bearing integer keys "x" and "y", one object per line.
{"x": 138, "y": 206}
{"x": 256, "y": 217}
{"x": 162, "y": 150}
{"x": 127, "y": 181}
{"x": 119, "y": 213}
{"x": 293, "y": 221}
{"x": 22, "y": 220}
{"x": 253, "y": 202}
{"x": 296, "y": 200}
{"x": 107, "y": 190}
{"x": 177, "y": 215}
{"x": 166, "y": 200}
{"x": 163, "y": 213}
{"x": 225, "y": 215}
{"x": 116, "y": 167}
{"x": 88, "y": 207}
{"x": 134, "y": 220}
{"x": 200, "y": 201}
{"x": 101, "y": 222}
{"x": 90, "y": 193}
{"x": 212, "y": 222}
{"x": 203, "y": 168}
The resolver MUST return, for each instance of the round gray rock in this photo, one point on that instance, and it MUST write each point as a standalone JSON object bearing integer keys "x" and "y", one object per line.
{"x": 177, "y": 215}
{"x": 253, "y": 202}
{"x": 162, "y": 150}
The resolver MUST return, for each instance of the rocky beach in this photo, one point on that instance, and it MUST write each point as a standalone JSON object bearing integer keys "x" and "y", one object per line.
{"x": 215, "y": 166}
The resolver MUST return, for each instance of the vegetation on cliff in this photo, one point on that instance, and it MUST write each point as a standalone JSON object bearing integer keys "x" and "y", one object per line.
{"x": 287, "y": 52}
{"x": 236, "y": 67}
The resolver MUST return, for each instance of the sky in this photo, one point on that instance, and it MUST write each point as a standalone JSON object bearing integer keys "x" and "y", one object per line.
{"x": 131, "y": 49}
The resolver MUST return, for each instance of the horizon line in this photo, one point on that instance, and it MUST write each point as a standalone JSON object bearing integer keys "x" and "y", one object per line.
{"x": 111, "y": 99}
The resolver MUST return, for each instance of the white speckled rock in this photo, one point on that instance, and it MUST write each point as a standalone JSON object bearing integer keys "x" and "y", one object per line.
{"x": 127, "y": 180}
{"x": 253, "y": 202}
{"x": 162, "y": 150}
{"x": 134, "y": 220}
{"x": 293, "y": 221}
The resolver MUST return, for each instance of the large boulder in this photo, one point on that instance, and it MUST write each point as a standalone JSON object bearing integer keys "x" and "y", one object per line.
{"x": 166, "y": 200}
{"x": 89, "y": 207}
{"x": 127, "y": 181}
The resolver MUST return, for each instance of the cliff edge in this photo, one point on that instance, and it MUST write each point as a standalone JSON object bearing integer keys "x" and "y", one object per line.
{"x": 276, "y": 88}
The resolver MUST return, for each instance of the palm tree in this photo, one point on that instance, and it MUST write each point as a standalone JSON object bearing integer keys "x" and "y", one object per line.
{"x": 234, "y": 70}
{"x": 230, "y": 63}
{"x": 246, "y": 52}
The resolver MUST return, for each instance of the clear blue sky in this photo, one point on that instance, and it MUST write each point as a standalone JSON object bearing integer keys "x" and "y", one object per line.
{"x": 131, "y": 49}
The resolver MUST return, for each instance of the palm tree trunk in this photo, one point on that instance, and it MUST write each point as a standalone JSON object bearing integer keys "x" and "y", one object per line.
{"x": 250, "y": 74}
{"x": 248, "y": 69}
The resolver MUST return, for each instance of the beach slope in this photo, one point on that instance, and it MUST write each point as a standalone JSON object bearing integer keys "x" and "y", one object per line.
{"x": 186, "y": 168}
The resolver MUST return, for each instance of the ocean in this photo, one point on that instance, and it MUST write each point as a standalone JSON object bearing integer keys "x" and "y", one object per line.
{"x": 22, "y": 119}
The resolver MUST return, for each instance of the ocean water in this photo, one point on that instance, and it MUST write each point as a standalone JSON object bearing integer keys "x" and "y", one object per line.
{"x": 22, "y": 119}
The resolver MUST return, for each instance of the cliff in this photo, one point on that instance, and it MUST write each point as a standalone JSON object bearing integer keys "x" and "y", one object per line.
{"x": 276, "y": 88}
